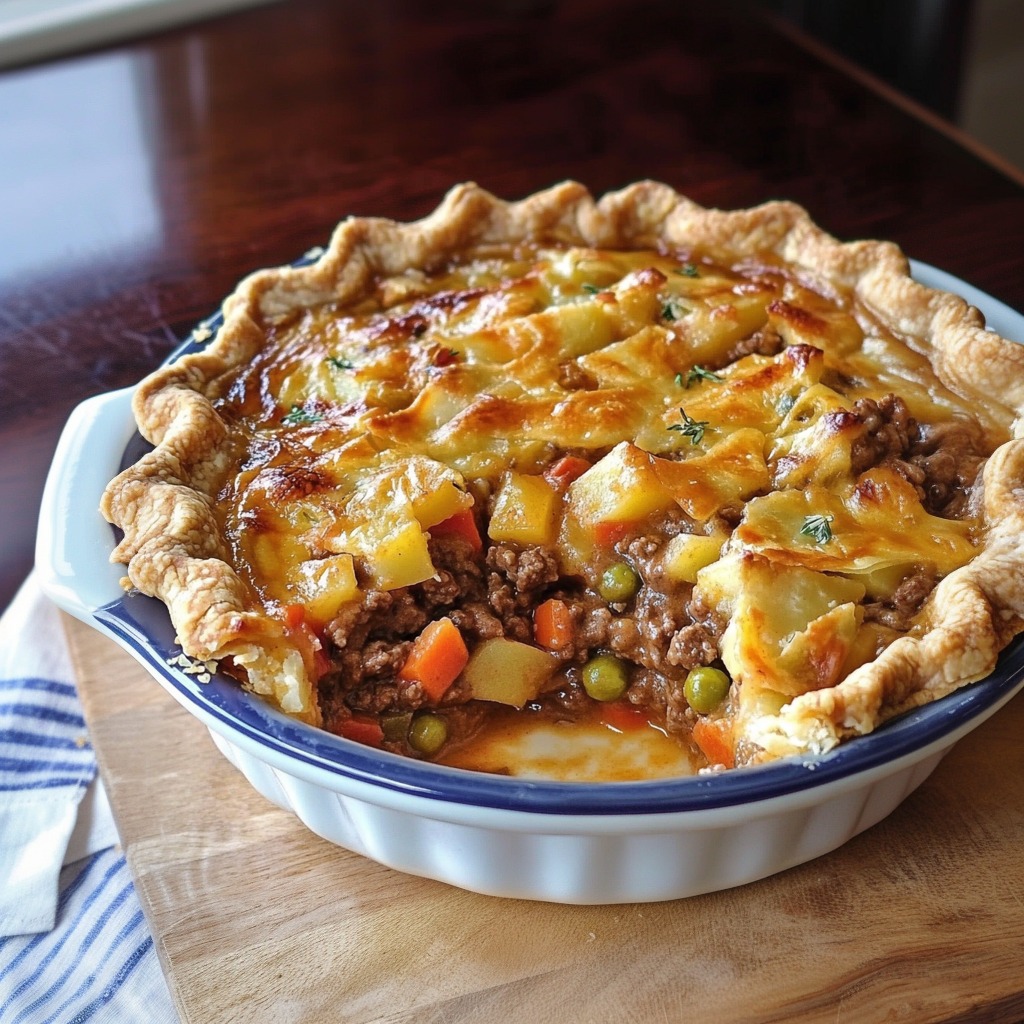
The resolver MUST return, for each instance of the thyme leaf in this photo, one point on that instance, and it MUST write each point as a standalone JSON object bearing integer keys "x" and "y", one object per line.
{"x": 818, "y": 527}
{"x": 699, "y": 373}
{"x": 688, "y": 270}
{"x": 673, "y": 309}
{"x": 337, "y": 363}
{"x": 784, "y": 404}
{"x": 297, "y": 416}
{"x": 591, "y": 289}
{"x": 691, "y": 428}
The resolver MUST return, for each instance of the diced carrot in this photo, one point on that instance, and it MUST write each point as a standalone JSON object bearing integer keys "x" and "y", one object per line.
{"x": 462, "y": 524}
{"x": 607, "y": 534}
{"x": 714, "y": 737}
{"x": 310, "y": 647}
{"x": 623, "y": 716}
{"x": 552, "y": 625}
{"x": 566, "y": 469}
{"x": 294, "y": 615}
{"x": 363, "y": 730}
{"x": 437, "y": 657}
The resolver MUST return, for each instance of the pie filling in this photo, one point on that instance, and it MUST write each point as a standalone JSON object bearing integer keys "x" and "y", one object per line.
{"x": 555, "y": 484}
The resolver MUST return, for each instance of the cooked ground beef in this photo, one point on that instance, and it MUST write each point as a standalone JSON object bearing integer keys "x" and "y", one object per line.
{"x": 476, "y": 621}
{"x": 693, "y": 645}
{"x": 765, "y": 342}
{"x": 661, "y": 632}
{"x": 371, "y": 639}
{"x": 898, "y": 612}
{"x": 573, "y": 377}
{"x": 527, "y": 570}
{"x": 950, "y": 454}
{"x": 889, "y": 426}
{"x": 941, "y": 460}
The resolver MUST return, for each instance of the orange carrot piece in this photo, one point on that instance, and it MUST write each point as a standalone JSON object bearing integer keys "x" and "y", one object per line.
{"x": 714, "y": 737}
{"x": 462, "y": 524}
{"x": 363, "y": 730}
{"x": 623, "y": 716}
{"x": 552, "y": 625}
{"x": 294, "y": 615}
{"x": 606, "y": 534}
{"x": 566, "y": 469}
{"x": 438, "y": 655}
{"x": 306, "y": 640}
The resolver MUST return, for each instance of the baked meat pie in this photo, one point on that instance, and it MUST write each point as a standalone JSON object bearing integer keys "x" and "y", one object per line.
{"x": 620, "y": 461}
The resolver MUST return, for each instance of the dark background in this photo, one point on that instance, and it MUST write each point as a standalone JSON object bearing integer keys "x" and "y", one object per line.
{"x": 141, "y": 181}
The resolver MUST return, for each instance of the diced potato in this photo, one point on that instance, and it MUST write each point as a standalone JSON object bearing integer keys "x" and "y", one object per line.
{"x": 394, "y": 550}
{"x": 711, "y": 330}
{"x": 325, "y": 584}
{"x": 401, "y": 559}
{"x": 620, "y": 488}
{"x": 579, "y": 328}
{"x": 640, "y": 296}
{"x": 265, "y": 558}
{"x": 652, "y": 352}
{"x": 508, "y": 672}
{"x": 754, "y": 392}
{"x": 274, "y": 554}
{"x": 433, "y": 491}
{"x": 524, "y": 510}
{"x": 789, "y": 646}
{"x": 814, "y": 442}
{"x": 687, "y": 553}
{"x": 732, "y": 471}
{"x": 816, "y": 323}
{"x": 877, "y": 523}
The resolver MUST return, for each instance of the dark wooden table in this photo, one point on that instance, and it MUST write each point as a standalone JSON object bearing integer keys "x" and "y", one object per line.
{"x": 140, "y": 182}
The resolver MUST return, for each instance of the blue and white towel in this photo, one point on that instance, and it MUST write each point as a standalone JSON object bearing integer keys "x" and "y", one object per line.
{"x": 74, "y": 945}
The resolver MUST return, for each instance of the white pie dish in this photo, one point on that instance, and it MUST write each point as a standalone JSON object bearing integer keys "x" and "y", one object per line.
{"x": 566, "y": 842}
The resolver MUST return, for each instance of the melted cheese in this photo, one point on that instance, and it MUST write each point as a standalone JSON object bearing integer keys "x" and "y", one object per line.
{"x": 360, "y": 429}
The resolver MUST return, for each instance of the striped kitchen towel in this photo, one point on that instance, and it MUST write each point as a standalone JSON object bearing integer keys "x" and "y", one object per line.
{"x": 74, "y": 945}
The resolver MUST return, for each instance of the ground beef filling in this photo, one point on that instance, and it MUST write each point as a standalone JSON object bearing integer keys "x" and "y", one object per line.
{"x": 661, "y": 632}
{"x": 660, "y": 635}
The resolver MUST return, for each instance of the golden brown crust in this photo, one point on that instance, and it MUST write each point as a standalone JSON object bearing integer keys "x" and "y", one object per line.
{"x": 173, "y": 549}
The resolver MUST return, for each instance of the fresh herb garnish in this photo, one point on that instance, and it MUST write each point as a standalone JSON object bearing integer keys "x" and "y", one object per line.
{"x": 592, "y": 289}
{"x": 337, "y": 363}
{"x": 680, "y": 381}
{"x": 784, "y": 404}
{"x": 819, "y": 527}
{"x": 297, "y": 416}
{"x": 699, "y": 373}
{"x": 688, "y": 270}
{"x": 691, "y": 428}
{"x": 673, "y": 309}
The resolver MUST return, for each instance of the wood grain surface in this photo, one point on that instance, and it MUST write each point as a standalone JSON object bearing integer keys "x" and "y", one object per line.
{"x": 141, "y": 181}
{"x": 920, "y": 919}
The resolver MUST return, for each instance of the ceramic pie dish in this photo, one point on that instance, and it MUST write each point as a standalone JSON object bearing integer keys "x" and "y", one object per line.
{"x": 580, "y": 843}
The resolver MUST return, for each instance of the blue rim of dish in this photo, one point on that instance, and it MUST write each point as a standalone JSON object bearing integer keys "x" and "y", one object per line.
{"x": 144, "y": 626}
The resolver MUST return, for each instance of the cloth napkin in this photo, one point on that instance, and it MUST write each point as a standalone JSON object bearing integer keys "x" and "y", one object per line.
{"x": 74, "y": 945}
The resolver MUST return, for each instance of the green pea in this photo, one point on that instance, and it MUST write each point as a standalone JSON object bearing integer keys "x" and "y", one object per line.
{"x": 705, "y": 688}
{"x": 605, "y": 677}
{"x": 428, "y": 733}
{"x": 619, "y": 582}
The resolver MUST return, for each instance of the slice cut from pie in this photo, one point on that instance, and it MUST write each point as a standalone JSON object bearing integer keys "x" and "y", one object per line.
{"x": 563, "y": 460}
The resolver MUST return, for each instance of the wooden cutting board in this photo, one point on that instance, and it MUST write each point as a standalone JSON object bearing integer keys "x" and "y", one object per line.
{"x": 919, "y": 919}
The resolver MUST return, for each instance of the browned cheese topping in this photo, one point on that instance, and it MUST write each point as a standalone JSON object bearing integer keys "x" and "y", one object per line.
{"x": 592, "y": 485}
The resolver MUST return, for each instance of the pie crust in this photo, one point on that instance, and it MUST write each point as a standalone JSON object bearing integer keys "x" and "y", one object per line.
{"x": 175, "y": 549}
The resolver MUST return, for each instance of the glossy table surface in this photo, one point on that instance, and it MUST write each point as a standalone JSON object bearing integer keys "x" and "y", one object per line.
{"x": 140, "y": 181}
